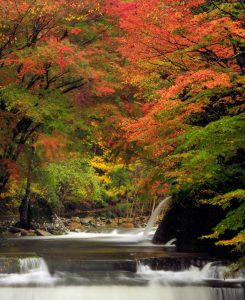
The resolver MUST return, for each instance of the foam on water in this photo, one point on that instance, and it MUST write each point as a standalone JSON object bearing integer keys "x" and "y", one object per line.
{"x": 148, "y": 284}
{"x": 135, "y": 235}
{"x": 117, "y": 235}
{"x": 211, "y": 271}
{"x": 154, "y": 292}
{"x": 33, "y": 270}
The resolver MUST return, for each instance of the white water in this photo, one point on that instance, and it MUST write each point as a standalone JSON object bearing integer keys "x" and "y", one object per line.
{"x": 153, "y": 292}
{"x": 211, "y": 271}
{"x": 116, "y": 235}
{"x": 33, "y": 264}
{"x": 155, "y": 215}
{"x": 34, "y": 282}
{"x": 171, "y": 243}
{"x": 128, "y": 236}
{"x": 32, "y": 271}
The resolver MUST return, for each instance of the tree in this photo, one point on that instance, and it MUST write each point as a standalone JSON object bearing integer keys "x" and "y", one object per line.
{"x": 186, "y": 62}
{"x": 46, "y": 66}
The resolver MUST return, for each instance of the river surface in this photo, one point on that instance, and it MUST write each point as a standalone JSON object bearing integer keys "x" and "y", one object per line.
{"x": 110, "y": 265}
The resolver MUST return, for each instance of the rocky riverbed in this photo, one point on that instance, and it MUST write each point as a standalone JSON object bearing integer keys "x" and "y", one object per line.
{"x": 60, "y": 225}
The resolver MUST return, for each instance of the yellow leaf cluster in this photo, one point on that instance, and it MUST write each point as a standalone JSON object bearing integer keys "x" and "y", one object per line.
{"x": 98, "y": 162}
{"x": 12, "y": 190}
{"x": 238, "y": 239}
{"x": 114, "y": 192}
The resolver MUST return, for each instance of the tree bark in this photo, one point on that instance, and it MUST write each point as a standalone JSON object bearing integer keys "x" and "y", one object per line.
{"x": 25, "y": 207}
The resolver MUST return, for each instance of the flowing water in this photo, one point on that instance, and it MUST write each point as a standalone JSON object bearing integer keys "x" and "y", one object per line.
{"x": 156, "y": 214}
{"x": 110, "y": 265}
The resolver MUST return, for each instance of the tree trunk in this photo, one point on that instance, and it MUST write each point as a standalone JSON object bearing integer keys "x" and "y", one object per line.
{"x": 25, "y": 207}
{"x": 4, "y": 177}
{"x": 23, "y": 211}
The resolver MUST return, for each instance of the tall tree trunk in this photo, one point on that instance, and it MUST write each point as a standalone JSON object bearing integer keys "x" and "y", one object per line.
{"x": 25, "y": 207}
{"x": 4, "y": 177}
{"x": 23, "y": 210}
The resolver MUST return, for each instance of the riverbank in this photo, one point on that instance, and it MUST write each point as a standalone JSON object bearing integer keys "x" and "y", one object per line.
{"x": 60, "y": 225}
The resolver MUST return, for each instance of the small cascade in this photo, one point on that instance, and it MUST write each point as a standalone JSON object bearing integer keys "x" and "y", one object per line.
{"x": 211, "y": 271}
{"x": 155, "y": 215}
{"x": 32, "y": 271}
{"x": 207, "y": 283}
{"x": 113, "y": 280}
{"x": 33, "y": 264}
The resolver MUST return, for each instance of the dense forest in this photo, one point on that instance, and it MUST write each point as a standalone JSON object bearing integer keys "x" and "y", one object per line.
{"x": 116, "y": 104}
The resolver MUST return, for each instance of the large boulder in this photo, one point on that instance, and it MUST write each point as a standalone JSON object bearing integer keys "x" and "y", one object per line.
{"x": 188, "y": 222}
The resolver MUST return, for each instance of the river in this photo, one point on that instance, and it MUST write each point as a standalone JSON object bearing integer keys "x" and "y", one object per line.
{"x": 111, "y": 265}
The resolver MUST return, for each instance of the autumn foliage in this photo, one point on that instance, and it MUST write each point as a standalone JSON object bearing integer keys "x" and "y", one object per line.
{"x": 147, "y": 97}
{"x": 186, "y": 60}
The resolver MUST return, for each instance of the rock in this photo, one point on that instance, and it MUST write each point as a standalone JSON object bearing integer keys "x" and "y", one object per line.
{"x": 66, "y": 222}
{"x": 24, "y": 232}
{"x": 17, "y": 234}
{"x": 128, "y": 225}
{"x": 27, "y": 232}
{"x": 85, "y": 221}
{"x": 58, "y": 232}
{"x": 75, "y": 219}
{"x": 109, "y": 221}
{"x": 75, "y": 226}
{"x": 41, "y": 232}
{"x": 187, "y": 222}
{"x": 15, "y": 229}
{"x": 129, "y": 220}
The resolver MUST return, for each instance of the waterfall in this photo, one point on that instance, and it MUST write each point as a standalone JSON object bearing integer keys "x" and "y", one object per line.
{"x": 155, "y": 215}
{"x": 33, "y": 264}
{"x": 189, "y": 283}
{"x": 193, "y": 274}
{"x": 32, "y": 271}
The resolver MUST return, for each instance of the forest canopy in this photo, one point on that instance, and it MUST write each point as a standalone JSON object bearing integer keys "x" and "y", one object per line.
{"x": 120, "y": 103}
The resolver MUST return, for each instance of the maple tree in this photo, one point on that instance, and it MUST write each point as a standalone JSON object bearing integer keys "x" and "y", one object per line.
{"x": 123, "y": 102}
{"x": 47, "y": 65}
{"x": 186, "y": 62}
